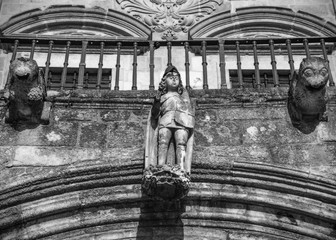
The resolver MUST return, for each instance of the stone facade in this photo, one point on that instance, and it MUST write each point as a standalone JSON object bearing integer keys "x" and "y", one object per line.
{"x": 253, "y": 175}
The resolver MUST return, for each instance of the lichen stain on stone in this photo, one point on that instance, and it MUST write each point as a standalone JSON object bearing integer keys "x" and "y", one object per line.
{"x": 272, "y": 126}
{"x": 262, "y": 129}
{"x": 53, "y": 137}
{"x": 258, "y": 152}
{"x": 253, "y": 131}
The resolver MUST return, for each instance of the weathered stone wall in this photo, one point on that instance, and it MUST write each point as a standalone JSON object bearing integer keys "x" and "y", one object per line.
{"x": 254, "y": 176}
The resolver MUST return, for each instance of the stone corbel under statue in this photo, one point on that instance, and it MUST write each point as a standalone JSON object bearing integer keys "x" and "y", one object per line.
{"x": 25, "y": 95}
{"x": 169, "y": 141}
{"x": 307, "y": 96}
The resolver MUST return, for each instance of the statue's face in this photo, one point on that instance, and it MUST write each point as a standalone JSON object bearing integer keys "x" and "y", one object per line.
{"x": 24, "y": 69}
{"x": 314, "y": 72}
{"x": 172, "y": 81}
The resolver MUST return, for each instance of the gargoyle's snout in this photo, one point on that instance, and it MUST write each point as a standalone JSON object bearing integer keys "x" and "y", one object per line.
{"x": 318, "y": 83}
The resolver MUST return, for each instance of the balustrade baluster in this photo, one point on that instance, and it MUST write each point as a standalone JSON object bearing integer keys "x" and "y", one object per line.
{"x": 239, "y": 70}
{"x": 16, "y": 45}
{"x": 265, "y": 80}
{"x": 32, "y": 50}
{"x": 204, "y": 64}
{"x": 325, "y": 55}
{"x": 187, "y": 65}
{"x": 100, "y": 65}
{"x": 86, "y": 80}
{"x": 116, "y": 86}
{"x": 151, "y": 66}
{"x": 65, "y": 65}
{"x": 169, "y": 50}
{"x": 222, "y": 63}
{"x": 74, "y": 82}
{"x": 135, "y": 64}
{"x": 49, "y": 80}
{"x": 256, "y": 64}
{"x": 253, "y": 81}
{"x": 290, "y": 58}
{"x": 273, "y": 63}
{"x": 306, "y": 47}
{"x": 82, "y": 65}
{"x": 46, "y": 74}
{"x": 289, "y": 78}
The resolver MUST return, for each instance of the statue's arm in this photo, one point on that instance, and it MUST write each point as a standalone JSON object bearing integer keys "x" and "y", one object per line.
{"x": 156, "y": 107}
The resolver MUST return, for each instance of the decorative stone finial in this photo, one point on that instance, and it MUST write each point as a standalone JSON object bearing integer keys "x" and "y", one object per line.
{"x": 169, "y": 140}
{"x": 25, "y": 95}
{"x": 307, "y": 97}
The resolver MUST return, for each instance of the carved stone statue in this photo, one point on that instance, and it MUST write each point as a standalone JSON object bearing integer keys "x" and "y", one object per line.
{"x": 169, "y": 140}
{"x": 307, "y": 97}
{"x": 25, "y": 94}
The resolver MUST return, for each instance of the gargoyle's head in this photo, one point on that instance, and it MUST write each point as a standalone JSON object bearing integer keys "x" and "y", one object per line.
{"x": 24, "y": 69}
{"x": 313, "y": 72}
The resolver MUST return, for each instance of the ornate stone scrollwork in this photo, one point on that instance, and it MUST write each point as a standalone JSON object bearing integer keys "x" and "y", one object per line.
{"x": 169, "y": 16}
{"x": 25, "y": 95}
{"x": 169, "y": 140}
{"x": 307, "y": 96}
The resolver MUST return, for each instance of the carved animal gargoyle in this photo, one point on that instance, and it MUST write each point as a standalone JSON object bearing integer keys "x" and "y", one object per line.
{"x": 25, "y": 95}
{"x": 307, "y": 96}
{"x": 169, "y": 141}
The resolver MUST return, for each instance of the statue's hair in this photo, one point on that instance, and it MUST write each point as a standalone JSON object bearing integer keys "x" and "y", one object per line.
{"x": 163, "y": 86}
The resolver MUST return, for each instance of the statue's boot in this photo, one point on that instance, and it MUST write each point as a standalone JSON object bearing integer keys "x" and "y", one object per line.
{"x": 180, "y": 155}
{"x": 162, "y": 153}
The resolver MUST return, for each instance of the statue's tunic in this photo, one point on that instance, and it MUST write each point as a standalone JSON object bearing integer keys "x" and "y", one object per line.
{"x": 176, "y": 111}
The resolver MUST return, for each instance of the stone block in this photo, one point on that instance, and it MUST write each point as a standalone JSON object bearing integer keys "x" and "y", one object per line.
{"x": 326, "y": 131}
{"x": 123, "y": 156}
{"x": 212, "y": 133}
{"x": 52, "y": 156}
{"x": 315, "y": 158}
{"x": 70, "y": 114}
{"x": 57, "y": 134}
{"x": 125, "y": 135}
{"x": 224, "y": 155}
{"x": 6, "y": 153}
{"x": 8, "y": 136}
{"x": 92, "y": 135}
{"x": 273, "y": 133}
{"x": 115, "y": 115}
{"x": 261, "y": 113}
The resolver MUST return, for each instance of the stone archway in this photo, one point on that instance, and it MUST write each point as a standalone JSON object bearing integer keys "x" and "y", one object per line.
{"x": 263, "y": 22}
{"x": 74, "y": 21}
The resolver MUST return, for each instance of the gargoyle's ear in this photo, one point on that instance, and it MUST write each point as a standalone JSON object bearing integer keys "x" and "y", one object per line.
{"x": 295, "y": 76}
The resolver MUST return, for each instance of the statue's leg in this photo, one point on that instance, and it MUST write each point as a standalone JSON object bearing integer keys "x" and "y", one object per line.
{"x": 181, "y": 139}
{"x": 165, "y": 135}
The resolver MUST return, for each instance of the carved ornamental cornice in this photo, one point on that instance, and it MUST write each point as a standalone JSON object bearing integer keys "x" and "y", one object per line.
{"x": 169, "y": 16}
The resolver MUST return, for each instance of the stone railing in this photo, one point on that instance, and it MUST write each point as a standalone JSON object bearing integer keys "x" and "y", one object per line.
{"x": 257, "y": 78}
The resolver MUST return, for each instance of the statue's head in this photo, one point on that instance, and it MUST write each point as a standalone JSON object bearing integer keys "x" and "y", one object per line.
{"x": 313, "y": 72}
{"x": 171, "y": 81}
{"x": 24, "y": 69}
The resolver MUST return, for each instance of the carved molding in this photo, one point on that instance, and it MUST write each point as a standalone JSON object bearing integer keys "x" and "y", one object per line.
{"x": 170, "y": 16}
{"x": 260, "y": 21}
{"x": 106, "y": 198}
{"x": 80, "y": 22}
